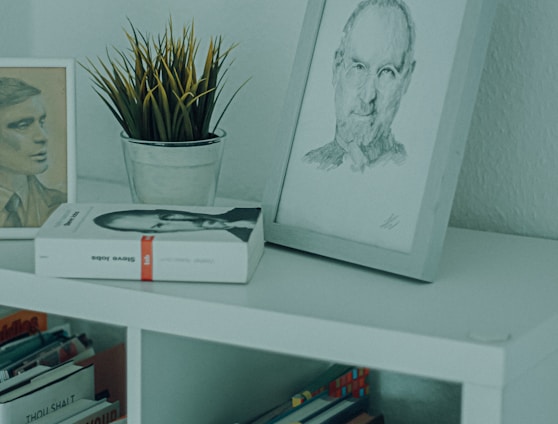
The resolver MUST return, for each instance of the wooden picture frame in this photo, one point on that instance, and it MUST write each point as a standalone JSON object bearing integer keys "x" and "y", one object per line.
{"x": 372, "y": 133}
{"x": 37, "y": 142}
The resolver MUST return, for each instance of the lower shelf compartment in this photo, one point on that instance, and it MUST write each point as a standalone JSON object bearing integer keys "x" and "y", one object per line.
{"x": 55, "y": 367}
{"x": 188, "y": 380}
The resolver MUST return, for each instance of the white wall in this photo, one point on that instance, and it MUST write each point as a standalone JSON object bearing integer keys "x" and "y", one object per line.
{"x": 508, "y": 181}
{"x": 509, "y": 178}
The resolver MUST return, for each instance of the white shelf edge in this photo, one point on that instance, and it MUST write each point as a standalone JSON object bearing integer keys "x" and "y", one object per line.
{"x": 291, "y": 334}
{"x": 134, "y": 373}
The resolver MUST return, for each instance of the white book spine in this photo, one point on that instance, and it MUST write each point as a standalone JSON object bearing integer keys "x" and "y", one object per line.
{"x": 124, "y": 259}
{"x": 48, "y": 399}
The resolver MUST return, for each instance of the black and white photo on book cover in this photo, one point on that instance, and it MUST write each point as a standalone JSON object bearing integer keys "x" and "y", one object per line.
{"x": 380, "y": 98}
{"x": 166, "y": 222}
{"x": 236, "y": 221}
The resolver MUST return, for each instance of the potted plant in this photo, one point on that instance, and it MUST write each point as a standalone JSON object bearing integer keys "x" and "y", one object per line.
{"x": 172, "y": 144}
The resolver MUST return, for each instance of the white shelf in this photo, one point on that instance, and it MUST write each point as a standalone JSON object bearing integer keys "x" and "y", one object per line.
{"x": 489, "y": 322}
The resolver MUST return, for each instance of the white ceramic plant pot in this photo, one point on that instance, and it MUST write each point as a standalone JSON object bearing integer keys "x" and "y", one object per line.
{"x": 174, "y": 173}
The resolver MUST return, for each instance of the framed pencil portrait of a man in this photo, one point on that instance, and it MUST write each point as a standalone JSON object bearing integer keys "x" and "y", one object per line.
{"x": 37, "y": 142}
{"x": 373, "y": 130}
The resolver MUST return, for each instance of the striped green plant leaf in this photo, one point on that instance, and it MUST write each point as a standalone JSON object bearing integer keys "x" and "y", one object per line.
{"x": 153, "y": 90}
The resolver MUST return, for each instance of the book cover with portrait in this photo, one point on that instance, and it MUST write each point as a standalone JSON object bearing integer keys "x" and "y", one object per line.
{"x": 150, "y": 243}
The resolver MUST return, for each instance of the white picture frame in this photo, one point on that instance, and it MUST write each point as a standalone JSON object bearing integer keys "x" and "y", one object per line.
{"x": 47, "y": 176}
{"x": 384, "y": 207}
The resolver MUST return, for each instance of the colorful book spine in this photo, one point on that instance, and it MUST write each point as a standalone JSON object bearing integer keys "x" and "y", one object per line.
{"x": 354, "y": 382}
{"x": 337, "y": 381}
{"x": 320, "y": 384}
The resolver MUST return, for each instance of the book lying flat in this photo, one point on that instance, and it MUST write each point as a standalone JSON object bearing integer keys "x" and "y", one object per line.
{"x": 307, "y": 410}
{"x": 150, "y": 243}
{"x": 92, "y": 412}
{"x": 75, "y": 347}
{"x": 69, "y": 411}
{"x": 11, "y": 353}
{"x": 23, "y": 378}
{"x": 46, "y": 393}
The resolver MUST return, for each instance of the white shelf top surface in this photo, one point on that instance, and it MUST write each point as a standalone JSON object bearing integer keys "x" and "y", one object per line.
{"x": 491, "y": 314}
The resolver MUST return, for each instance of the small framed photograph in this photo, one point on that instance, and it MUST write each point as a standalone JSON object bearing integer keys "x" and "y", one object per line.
{"x": 374, "y": 128}
{"x": 37, "y": 142}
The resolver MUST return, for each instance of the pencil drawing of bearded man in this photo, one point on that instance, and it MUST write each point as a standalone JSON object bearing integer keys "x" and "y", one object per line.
{"x": 372, "y": 70}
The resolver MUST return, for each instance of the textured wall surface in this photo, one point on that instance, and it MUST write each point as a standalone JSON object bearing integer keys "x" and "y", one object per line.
{"x": 509, "y": 179}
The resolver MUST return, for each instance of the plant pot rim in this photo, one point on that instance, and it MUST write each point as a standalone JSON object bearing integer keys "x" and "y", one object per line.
{"x": 218, "y": 136}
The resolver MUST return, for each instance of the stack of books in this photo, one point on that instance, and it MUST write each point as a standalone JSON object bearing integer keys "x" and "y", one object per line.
{"x": 47, "y": 375}
{"x": 338, "y": 396}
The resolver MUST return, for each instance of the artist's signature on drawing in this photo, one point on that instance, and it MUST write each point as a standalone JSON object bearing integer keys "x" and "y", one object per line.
{"x": 391, "y": 222}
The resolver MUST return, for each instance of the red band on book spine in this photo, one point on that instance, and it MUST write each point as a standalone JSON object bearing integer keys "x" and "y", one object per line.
{"x": 147, "y": 258}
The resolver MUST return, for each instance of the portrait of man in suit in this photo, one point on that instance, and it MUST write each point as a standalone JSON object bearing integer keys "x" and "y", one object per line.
{"x": 372, "y": 69}
{"x": 25, "y": 201}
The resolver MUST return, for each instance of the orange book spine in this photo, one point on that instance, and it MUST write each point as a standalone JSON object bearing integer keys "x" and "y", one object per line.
{"x": 22, "y": 322}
